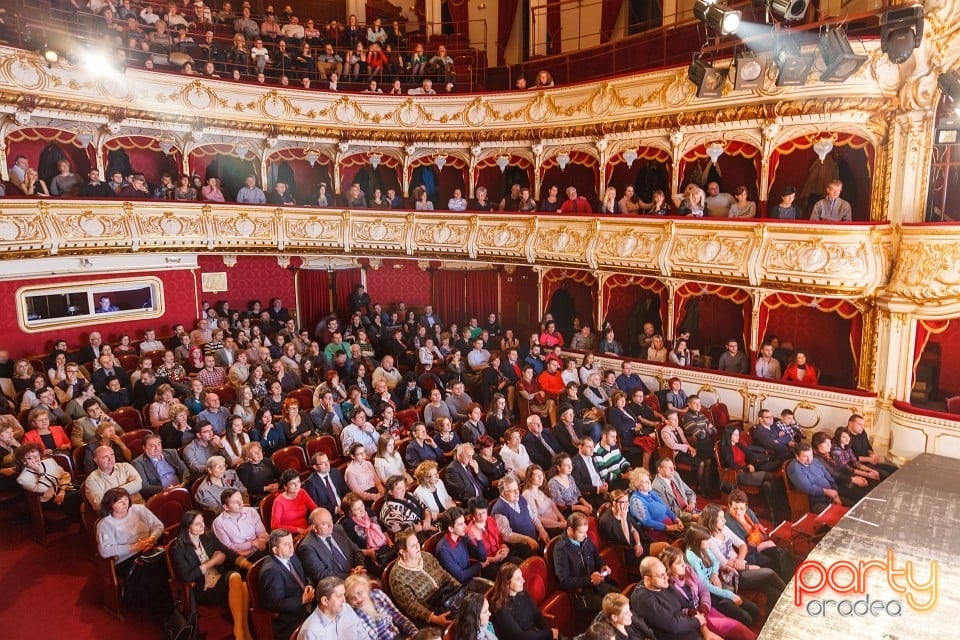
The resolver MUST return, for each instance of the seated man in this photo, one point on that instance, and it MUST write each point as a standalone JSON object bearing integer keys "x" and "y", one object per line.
{"x": 578, "y": 567}
{"x": 860, "y": 444}
{"x": 575, "y": 203}
{"x": 214, "y": 414}
{"x": 807, "y": 474}
{"x": 359, "y": 430}
{"x": 551, "y": 380}
{"x": 734, "y": 360}
{"x": 325, "y": 486}
{"x": 83, "y": 429}
{"x": 198, "y": 450}
{"x": 609, "y": 460}
{"x": 422, "y": 448}
{"x": 327, "y": 551}
{"x": 585, "y": 473}
{"x": 289, "y": 380}
{"x": 541, "y": 444}
{"x": 674, "y": 492}
{"x": 211, "y": 375}
{"x": 386, "y": 371}
{"x": 699, "y": 429}
{"x": 159, "y": 468}
{"x": 150, "y": 342}
{"x": 239, "y": 527}
{"x": 661, "y": 606}
{"x": 463, "y": 476}
{"x": 774, "y": 437}
{"x": 458, "y": 402}
{"x": 832, "y": 208}
{"x": 108, "y": 475}
{"x": 283, "y": 585}
{"x": 333, "y": 617}
{"x": 767, "y": 366}
{"x": 628, "y": 381}
{"x": 718, "y": 203}
{"x": 518, "y": 520}
{"x": 108, "y": 370}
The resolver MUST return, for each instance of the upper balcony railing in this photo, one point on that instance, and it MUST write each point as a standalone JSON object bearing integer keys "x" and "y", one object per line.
{"x": 848, "y": 260}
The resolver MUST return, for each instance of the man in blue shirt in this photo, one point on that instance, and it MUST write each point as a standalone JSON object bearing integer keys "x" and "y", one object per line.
{"x": 250, "y": 193}
{"x": 807, "y": 474}
{"x": 627, "y": 381}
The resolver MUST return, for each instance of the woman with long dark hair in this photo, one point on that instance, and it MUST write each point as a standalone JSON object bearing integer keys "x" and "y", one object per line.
{"x": 473, "y": 620}
{"x": 515, "y": 614}
{"x": 200, "y": 560}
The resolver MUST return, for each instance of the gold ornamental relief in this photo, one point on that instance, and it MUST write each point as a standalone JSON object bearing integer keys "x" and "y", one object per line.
{"x": 200, "y": 97}
{"x": 711, "y": 250}
{"x": 409, "y": 113}
{"x": 540, "y": 107}
{"x": 442, "y": 233}
{"x": 501, "y": 238}
{"x": 21, "y": 229}
{"x": 477, "y": 113}
{"x": 90, "y": 226}
{"x": 314, "y": 228}
{"x": 630, "y": 246}
{"x": 812, "y": 256}
{"x": 927, "y": 272}
{"x": 170, "y": 225}
{"x": 244, "y": 226}
{"x": 378, "y": 232}
{"x": 562, "y": 241}
{"x": 23, "y": 71}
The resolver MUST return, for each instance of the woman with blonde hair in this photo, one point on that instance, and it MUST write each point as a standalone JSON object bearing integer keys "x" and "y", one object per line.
{"x": 615, "y": 611}
{"x": 163, "y": 400}
{"x": 430, "y": 490}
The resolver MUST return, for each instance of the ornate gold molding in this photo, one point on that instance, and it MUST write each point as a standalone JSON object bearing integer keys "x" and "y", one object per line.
{"x": 927, "y": 270}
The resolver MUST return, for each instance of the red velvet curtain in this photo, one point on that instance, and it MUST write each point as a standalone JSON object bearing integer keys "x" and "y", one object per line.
{"x": 608, "y": 18}
{"x": 483, "y": 293}
{"x": 449, "y": 295}
{"x": 313, "y": 289}
{"x": 459, "y": 15}
{"x": 344, "y": 280}
{"x": 505, "y": 15}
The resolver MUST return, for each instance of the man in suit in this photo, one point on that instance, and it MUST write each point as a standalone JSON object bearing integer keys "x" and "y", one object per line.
{"x": 283, "y": 585}
{"x": 463, "y": 477}
{"x": 325, "y": 486}
{"x": 541, "y": 445}
{"x": 578, "y": 566}
{"x": 91, "y": 351}
{"x": 159, "y": 468}
{"x": 429, "y": 318}
{"x": 586, "y": 475}
{"x": 106, "y": 371}
{"x": 675, "y": 492}
{"x": 327, "y": 551}
{"x": 84, "y": 428}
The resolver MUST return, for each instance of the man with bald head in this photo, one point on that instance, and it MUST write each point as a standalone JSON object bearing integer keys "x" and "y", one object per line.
{"x": 327, "y": 551}
{"x": 661, "y": 607}
{"x": 91, "y": 351}
{"x": 110, "y": 474}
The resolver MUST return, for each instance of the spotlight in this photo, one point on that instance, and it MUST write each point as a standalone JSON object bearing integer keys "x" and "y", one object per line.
{"x": 51, "y": 55}
{"x": 788, "y": 10}
{"x": 700, "y": 9}
{"x": 901, "y": 31}
{"x": 749, "y": 71}
{"x": 794, "y": 66}
{"x": 838, "y": 55}
{"x": 723, "y": 19}
{"x": 709, "y": 81}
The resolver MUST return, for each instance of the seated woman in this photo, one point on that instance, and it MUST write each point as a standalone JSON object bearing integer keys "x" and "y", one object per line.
{"x": 176, "y": 432}
{"x": 515, "y": 615}
{"x": 430, "y": 490}
{"x": 707, "y": 566}
{"x": 402, "y": 510}
{"x": 292, "y": 505}
{"x": 563, "y": 488}
{"x": 234, "y": 440}
{"x": 45, "y": 477}
{"x": 199, "y": 559}
{"x": 105, "y": 435}
{"x": 273, "y": 401}
{"x": 388, "y": 462}
{"x": 637, "y": 436}
{"x": 733, "y": 553}
{"x": 763, "y": 551}
{"x": 53, "y": 438}
{"x": 843, "y": 455}
{"x": 446, "y": 438}
{"x": 648, "y": 510}
{"x": 417, "y": 580}
{"x": 618, "y": 528}
{"x": 514, "y": 453}
{"x": 163, "y": 400}
{"x": 482, "y": 526}
{"x": 694, "y": 594}
{"x": 616, "y": 612}
{"x": 360, "y": 475}
{"x": 435, "y": 409}
{"x": 37, "y": 383}
{"x": 363, "y": 528}
{"x": 381, "y": 618}
{"x": 218, "y": 478}
{"x": 270, "y": 436}
{"x": 657, "y": 351}
{"x": 491, "y": 465}
{"x": 754, "y": 467}
{"x": 296, "y": 424}
{"x": 550, "y": 515}
{"x": 800, "y": 371}
{"x": 463, "y": 557}
{"x": 673, "y": 437}
{"x": 529, "y": 391}
{"x": 852, "y": 487}
{"x": 473, "y": 619}
{"x": 257, "y": 474}
{"x": 124, "y": 532}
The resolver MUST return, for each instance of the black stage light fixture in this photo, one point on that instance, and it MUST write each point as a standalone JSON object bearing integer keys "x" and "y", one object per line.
{"x": 750, "y": 69}
{"x": 838, "y": 55}
{"x": 700, "y": 9}
{"x": 723, "y": 19}
{"x": 901, "y": 31}
{"x": 788, "y": 10}
{"x": 709, "y": 80}
{"x": 794, "y": 66}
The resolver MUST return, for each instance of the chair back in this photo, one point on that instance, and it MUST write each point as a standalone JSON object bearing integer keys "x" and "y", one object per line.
{"x": 182, "y": 591}
{"x": 169, "y": 506}
{"x": 78, "y": 455}
{"x": 66, "y": 463}
{"x": 326, "y": 444}
{"x": 430, "y": 546}
{"x": 385, "y": 576}
{"x": 134, "y": 441}
{"x": 798, "y": 500}
{"x": 304, "y": 398}
{"x": 953, "y": 404}
{"x": 291, "y": 457}
{"x": 266, "y": 510}
{"x": 407, "y": 417}
{"x": 128, "y": 418}
{"x": 536, "y": 580}
{"x": 261, "y": 620}
{"x": 552, "y": 584}
{"x": 227, "y": 394}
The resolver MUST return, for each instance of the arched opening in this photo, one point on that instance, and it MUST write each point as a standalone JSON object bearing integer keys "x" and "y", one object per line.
{"x": 140, "y": 154}
{"x": 44, "y": 147}
{"x": 649, "y": 171}
{"x": 581, "y": 172}
{"x": 497, "y": 183}
{"x": 739, "y": 165}
{"x": 302, "y": 179}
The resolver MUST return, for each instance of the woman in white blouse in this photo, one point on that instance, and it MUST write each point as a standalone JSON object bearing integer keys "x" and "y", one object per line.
{"x": 430, "y": 490}
{"x": 550, "y": 516}
{"x": 589, "y": 366}
{"x": 387, "y": 461}
{"x": 514, "y": 454}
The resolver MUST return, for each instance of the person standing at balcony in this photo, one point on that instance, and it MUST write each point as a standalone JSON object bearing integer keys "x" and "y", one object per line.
{"x": 280, "y": 195}
{"x": 610, "y": 204}
{"x": 18, "y": 171}
{"x": 575, "y": 203}
{"x": 94, "y": 188}
{"x": 718, "y": 203}
{"x": 767, "y": 366}
{"x": 250, "y": 193}
{"x": 511, "y": 202}
{"x": 832, "y": 208}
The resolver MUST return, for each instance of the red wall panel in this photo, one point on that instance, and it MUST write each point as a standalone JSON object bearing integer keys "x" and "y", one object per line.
{"x": 518, "y": 301}
{"x": 399, "y": 280}
{"x": 180, "y": 297}
{"x": 949, "y": 342}
{"x": 252, "y": 278}
{"x": 824, "y": 336}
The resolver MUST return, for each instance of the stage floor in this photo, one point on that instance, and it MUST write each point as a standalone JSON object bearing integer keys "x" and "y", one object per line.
{"x": 889, "y": 570}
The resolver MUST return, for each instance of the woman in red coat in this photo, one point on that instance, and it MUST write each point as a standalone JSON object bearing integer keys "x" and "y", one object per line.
{"x": 800, "y": 371}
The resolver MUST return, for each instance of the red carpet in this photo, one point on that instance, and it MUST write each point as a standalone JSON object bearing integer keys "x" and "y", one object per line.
{"x": 50, "y": 592}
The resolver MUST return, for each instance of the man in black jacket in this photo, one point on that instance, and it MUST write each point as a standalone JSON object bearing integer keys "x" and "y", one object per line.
{"x": 578, "y": 567}
{"x": 586, "y": 475}
{"x": 325, "y": 486}
{"x": 661, "y": 607}
{"x": 327, "y": 551}
{"x": 283, "y": 585}
{"x": 540, "y": 443}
